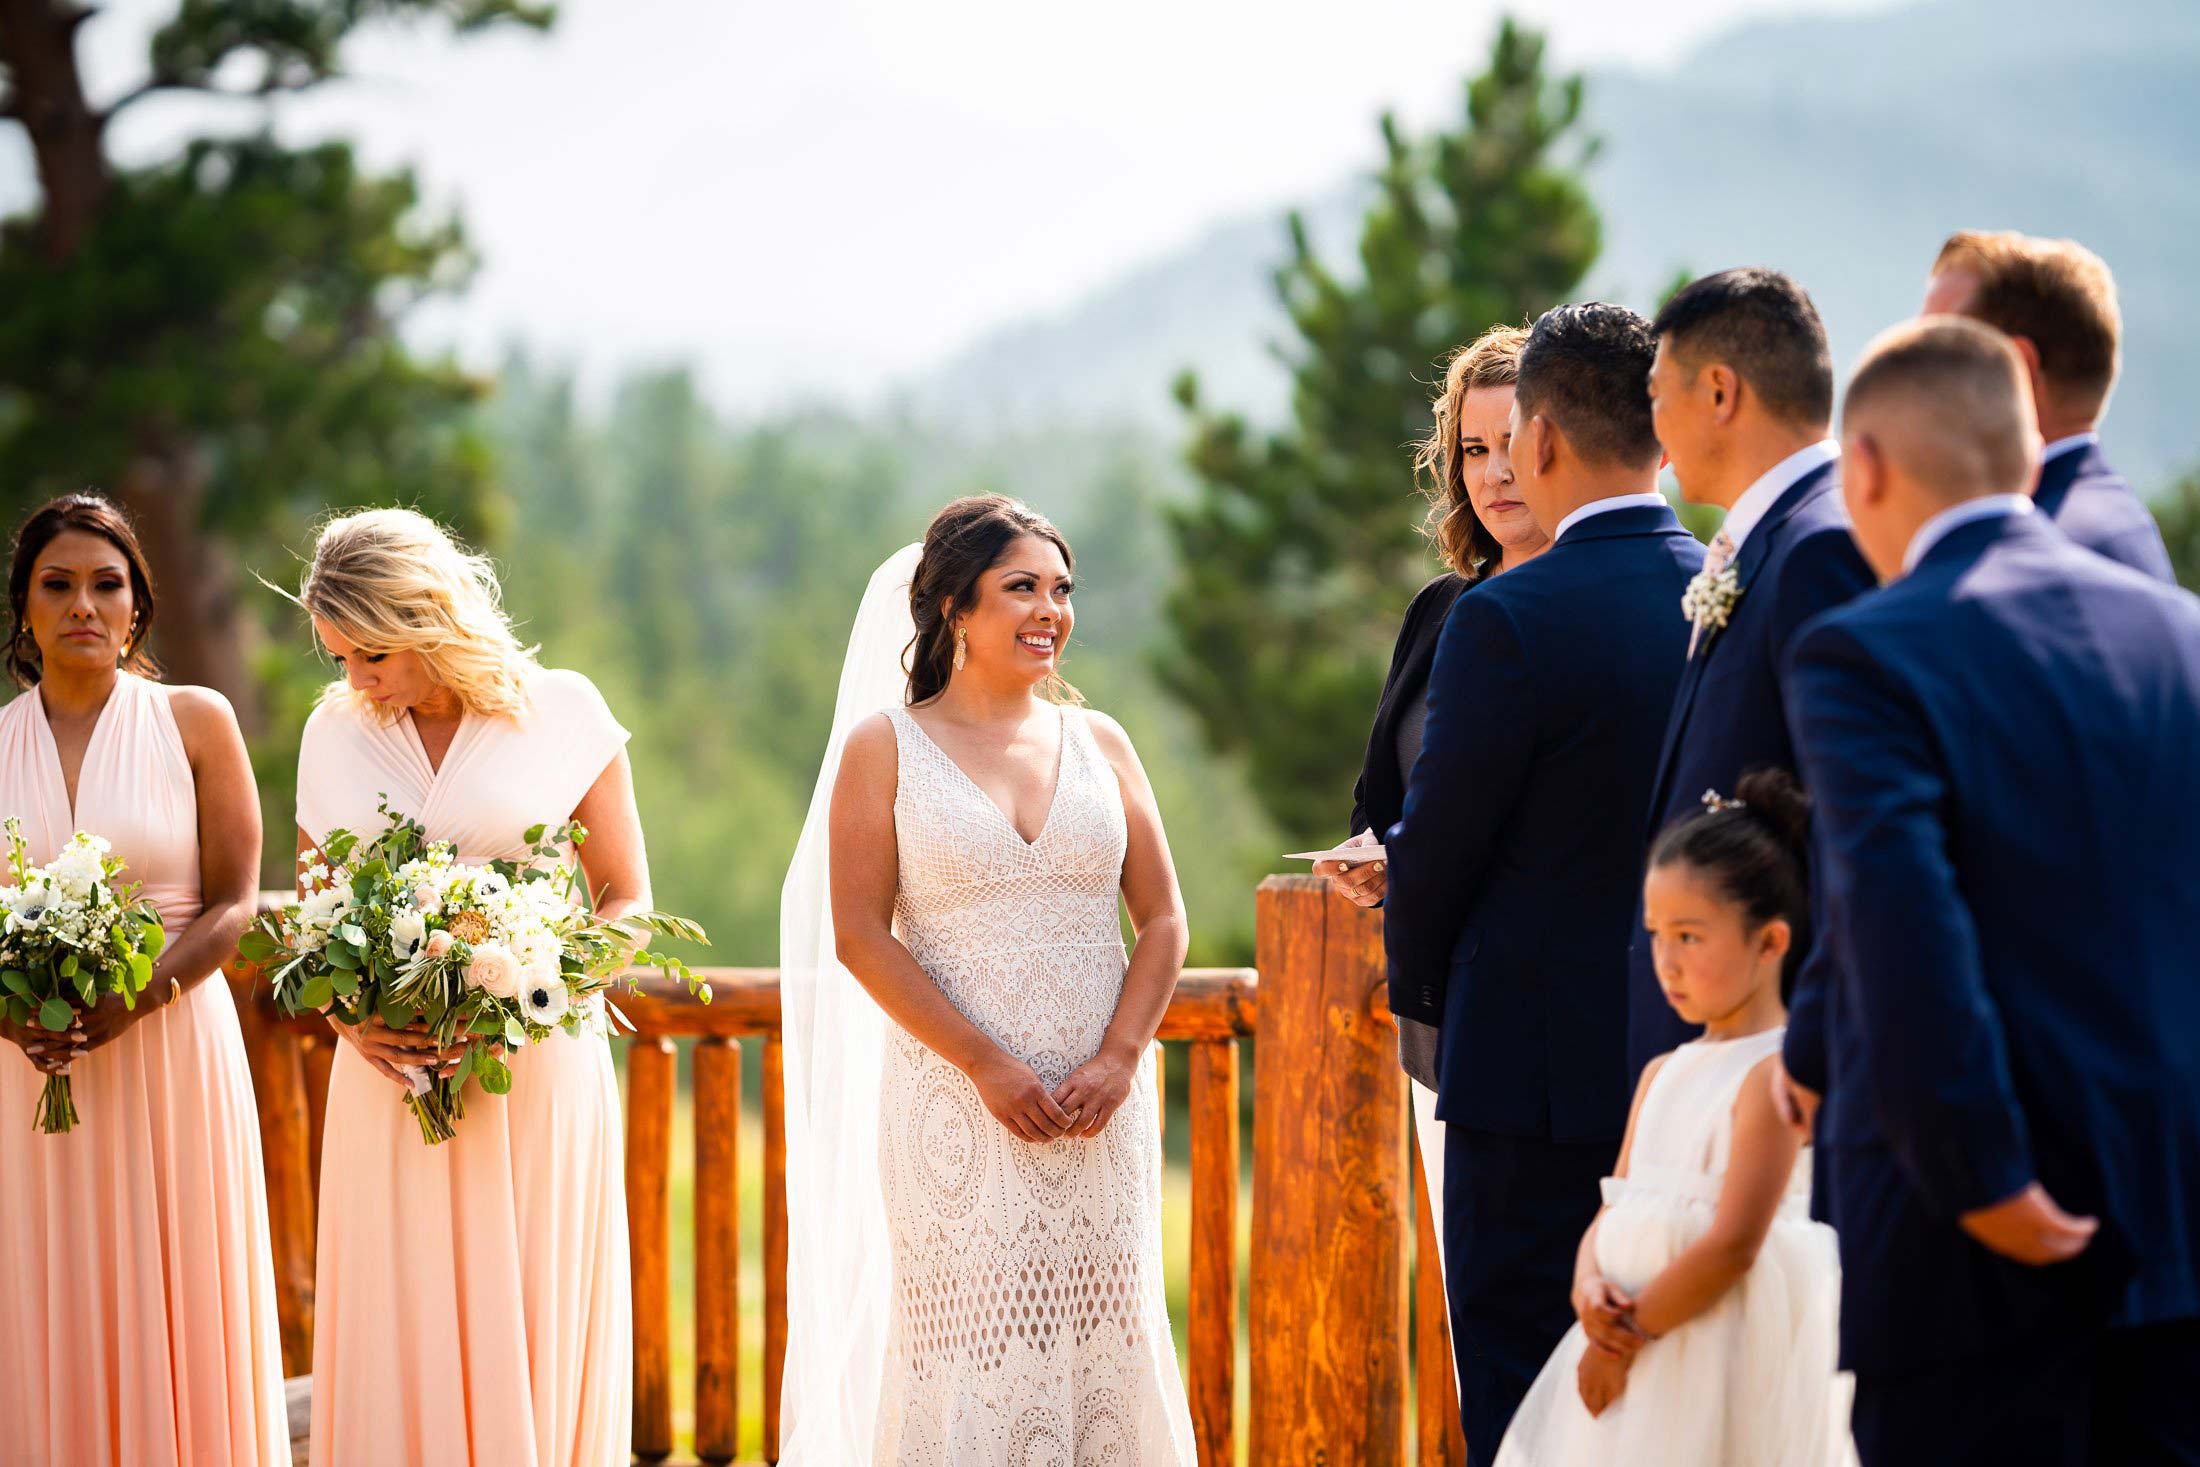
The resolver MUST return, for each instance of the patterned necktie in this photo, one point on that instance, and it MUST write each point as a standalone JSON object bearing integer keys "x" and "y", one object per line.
{"x": 1716, "y": 559}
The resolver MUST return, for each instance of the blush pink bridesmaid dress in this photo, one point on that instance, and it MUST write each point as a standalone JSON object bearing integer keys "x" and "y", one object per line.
{"x": 137, "y": 1291}
{"x": 471, "y": 1299}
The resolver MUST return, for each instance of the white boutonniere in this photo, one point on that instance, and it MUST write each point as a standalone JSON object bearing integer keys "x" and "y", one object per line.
{"x": 1708, "y": 603}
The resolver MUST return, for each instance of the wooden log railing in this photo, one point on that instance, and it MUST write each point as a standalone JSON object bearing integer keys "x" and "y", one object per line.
{"x": 1339, "y": 1203}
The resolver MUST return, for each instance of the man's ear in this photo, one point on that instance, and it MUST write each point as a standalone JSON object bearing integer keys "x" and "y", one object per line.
{"x": 1864, "y": 470}
{"x": 1723, "y": 386}
{"x": 1542, "y": 442}
{"x": 2030, "y": 351}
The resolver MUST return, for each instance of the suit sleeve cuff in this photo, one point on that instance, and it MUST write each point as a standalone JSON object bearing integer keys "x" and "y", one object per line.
{"x": 1803, "y": 1051}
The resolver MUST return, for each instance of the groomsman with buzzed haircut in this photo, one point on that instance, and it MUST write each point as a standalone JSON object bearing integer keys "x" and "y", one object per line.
{"x": 1742, "y": 399}
{"x": 2056, "y": 301}
{"x": 2000, "y": 746}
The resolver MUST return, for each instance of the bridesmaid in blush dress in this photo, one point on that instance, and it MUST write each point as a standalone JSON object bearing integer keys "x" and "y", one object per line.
{"x": 471, "y": 1297}
{"x": 137, "y": 1292}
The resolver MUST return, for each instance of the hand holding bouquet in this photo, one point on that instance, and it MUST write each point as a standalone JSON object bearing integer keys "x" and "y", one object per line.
{"x": 480, "y": 957}
{"x": 71, "y": 935}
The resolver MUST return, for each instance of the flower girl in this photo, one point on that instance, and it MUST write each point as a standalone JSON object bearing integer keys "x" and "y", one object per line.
{"x": 1707, "y": 1298}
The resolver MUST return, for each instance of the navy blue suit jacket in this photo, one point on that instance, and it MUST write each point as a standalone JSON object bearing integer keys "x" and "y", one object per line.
{"x": 1729, "y": 717}
{"x": 2004, "y": 751}
{"x": 2092, "y": 504}
{"x": 1514, "y": 873}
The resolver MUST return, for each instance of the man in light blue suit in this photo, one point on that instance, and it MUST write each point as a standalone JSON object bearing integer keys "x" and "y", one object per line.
{"x": 2003, "y": 746}
{"x": 1513, "y": 875}
{"x": 2056, "y": 302}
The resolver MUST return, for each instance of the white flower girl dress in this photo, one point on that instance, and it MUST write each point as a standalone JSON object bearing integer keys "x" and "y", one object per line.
{"x": 1751, "y": 1382}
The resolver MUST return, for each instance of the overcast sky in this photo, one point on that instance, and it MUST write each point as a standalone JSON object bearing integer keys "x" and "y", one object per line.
{"x": 814, "y": 198}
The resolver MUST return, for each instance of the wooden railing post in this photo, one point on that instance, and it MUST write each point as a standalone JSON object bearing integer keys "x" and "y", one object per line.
{"x": 1212, "y": 1329}
{"x": 1330, "y": 1200}
{"x": 651, "y": 1081}
{"x": 717, "y": 1248}
{"x": 279, "y": 1093}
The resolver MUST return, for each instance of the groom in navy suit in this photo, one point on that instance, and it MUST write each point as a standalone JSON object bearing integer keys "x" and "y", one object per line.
{"x": 2003, "y": 746}
{"x": 1514, "y": 873}
{"x": 1742, "y": 397}
{"x": 2056, "y": 301}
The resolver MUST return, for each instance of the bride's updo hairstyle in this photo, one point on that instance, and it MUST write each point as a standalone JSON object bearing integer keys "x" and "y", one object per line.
{"x": 965, "y": 540}
{"x": 393, "y": 580}
{"x": 87, "y": 514}
{"x": 1753, "y": 846}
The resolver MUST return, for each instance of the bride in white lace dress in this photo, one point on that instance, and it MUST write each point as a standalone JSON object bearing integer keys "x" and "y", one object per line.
{"x": 981, "y": 839}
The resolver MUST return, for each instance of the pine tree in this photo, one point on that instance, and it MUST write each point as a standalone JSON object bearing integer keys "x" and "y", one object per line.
{"x": 1300, "y": 549}
{"x": 2177, "y": 510}
{"x": 211, "y": 338}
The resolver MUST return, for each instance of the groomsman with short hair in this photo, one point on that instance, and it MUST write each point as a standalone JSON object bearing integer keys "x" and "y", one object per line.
{"x": 1513, "y": 878}
{"x": 2003, "y": 747}
{"x": 1742, "y": 398}
{"x": 2056, "y": 300}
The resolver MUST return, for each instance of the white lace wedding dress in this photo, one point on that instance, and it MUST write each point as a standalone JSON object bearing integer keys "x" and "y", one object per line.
{"x": 1028, "y": 1324}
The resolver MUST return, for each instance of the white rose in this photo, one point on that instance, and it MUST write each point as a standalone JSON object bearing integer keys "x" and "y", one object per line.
{"x": 407, "y": 931}
{"x": 494, "y": 970}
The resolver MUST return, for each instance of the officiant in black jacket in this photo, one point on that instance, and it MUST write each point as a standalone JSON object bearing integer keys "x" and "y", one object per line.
{"x": 1480, "y": 527}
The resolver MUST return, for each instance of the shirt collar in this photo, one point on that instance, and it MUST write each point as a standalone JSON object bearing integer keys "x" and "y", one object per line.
{"x": 1649, "y": 500}
{"x": 1948, "y": 521}
{"x": 1759, "y": 497}
{"x": 2071, "y": 444}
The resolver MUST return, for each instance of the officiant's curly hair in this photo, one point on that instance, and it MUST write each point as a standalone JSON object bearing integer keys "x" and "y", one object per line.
{"x": 85, "y": 514}
{"x": 393, "y": 580}
{"x": 1465, "y": 543}
{"x": 965, "y": 540}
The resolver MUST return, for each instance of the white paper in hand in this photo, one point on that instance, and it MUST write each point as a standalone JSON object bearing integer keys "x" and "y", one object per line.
{"x": 1351, "y": 855}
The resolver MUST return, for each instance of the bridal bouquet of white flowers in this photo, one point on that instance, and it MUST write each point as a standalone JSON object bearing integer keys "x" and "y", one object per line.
{"x": 71, "y": 934}
{"x": 493, "y": 956}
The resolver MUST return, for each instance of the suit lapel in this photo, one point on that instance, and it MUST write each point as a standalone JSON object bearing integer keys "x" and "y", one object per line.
{"x": 1758, "y": 547}
{"x": 1754, "y": 552}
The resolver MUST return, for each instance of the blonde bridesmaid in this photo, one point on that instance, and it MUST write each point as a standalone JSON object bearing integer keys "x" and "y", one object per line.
{"x": 472, "y": 1297}
{"x": 137, "y": 1291}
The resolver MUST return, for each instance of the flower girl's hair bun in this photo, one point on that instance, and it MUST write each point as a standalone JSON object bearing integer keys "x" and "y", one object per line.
{"x": 1774, "y": 797}
{"x": 1754, "y": 844}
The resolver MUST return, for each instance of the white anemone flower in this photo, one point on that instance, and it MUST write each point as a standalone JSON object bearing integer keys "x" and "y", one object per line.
{"x": 408, "y": 930}
{"x": 543, "y": 998}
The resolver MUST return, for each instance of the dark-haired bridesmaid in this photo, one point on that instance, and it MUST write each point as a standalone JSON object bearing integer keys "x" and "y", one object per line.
{"x": 137, "y": 1289}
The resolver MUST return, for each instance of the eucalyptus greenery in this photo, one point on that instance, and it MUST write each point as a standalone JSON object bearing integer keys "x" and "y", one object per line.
{"x": 481, "y": 957}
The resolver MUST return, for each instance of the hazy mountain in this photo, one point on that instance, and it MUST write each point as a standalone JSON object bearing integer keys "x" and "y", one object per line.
{"x": 1840, "y": 149}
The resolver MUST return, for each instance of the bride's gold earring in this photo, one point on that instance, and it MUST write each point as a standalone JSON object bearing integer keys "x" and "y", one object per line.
{"x": 962, "y": 647}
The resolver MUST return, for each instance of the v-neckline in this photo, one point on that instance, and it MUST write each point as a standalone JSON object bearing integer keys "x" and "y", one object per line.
{"x": 436, "y": 767}
{"x": 69, "y": 797}
{"x": 1054, "y": 797}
